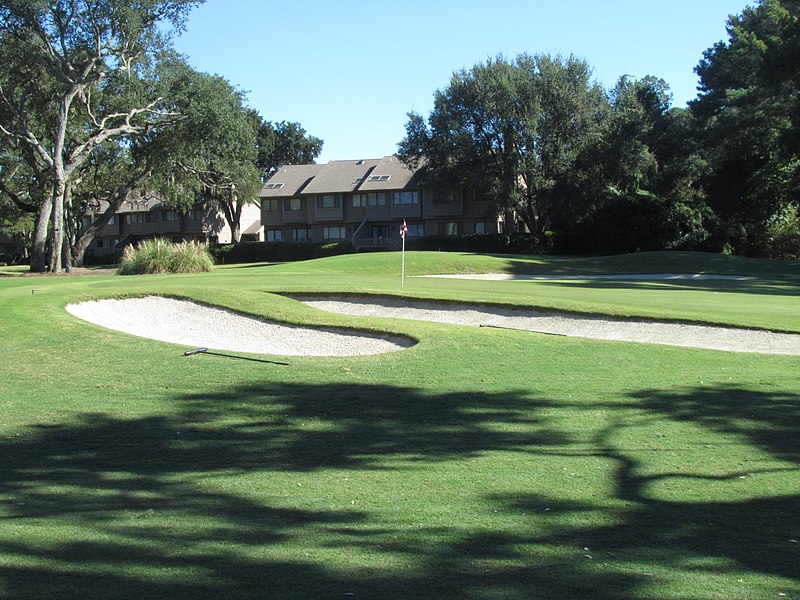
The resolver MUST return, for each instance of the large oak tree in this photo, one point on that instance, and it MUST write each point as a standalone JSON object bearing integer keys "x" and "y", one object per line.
{"x": 516, "y": 130}
{"x": 61, "y": 58}
{"x": 749, "y": 107}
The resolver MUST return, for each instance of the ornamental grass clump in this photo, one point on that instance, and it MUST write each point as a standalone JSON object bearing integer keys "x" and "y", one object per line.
{"x": 160, "y": 256}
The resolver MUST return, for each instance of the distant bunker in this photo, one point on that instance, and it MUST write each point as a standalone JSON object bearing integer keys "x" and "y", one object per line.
{"x": 683, "y": 334}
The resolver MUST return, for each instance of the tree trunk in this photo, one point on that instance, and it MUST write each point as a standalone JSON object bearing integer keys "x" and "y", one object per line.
{"x": 69, "y": 230}
{"x": 58, "y": 228}
{"x": 236, "y": 225}
{"x": 233, "y": 216}
{"x": 38, "y": 256}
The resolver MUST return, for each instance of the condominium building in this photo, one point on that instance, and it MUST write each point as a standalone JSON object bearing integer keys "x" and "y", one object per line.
{"x": 145, "y": 218}
{"x": 365, "y": 202}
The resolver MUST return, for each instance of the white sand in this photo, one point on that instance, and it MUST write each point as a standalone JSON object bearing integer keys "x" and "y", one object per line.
{"x": 673, "y": 334}
{"x": 196, "y": 325}
{"x": 620, "y": 277}
{"x": 191, "y": 324}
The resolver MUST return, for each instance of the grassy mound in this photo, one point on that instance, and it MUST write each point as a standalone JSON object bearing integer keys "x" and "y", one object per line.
{"x": 161, "y": 256}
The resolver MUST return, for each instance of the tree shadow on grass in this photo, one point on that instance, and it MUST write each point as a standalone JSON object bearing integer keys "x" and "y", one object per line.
{"x": 130, "y": 508}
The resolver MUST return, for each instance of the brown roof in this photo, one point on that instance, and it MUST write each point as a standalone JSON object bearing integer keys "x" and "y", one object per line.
{"x": 389, "y": 174}
{"x": 290, "y": 180}
{"x": 340, "y": 176}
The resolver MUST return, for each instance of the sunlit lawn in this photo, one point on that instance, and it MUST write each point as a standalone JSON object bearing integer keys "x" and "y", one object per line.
{"x": 481, "y": 463}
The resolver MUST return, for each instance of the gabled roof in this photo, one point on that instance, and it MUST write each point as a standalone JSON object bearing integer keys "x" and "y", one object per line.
{"x": 138, "y": 202}
{"x": 341, "y": 177}
{"x": 290, "y": 180}
{"x": 389, "y": 174}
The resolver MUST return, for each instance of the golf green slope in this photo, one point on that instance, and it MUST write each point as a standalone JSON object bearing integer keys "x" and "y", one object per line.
{"x": 477, "y": 464}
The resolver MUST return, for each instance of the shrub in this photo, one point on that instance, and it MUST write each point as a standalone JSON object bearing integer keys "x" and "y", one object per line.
{"x": 250, "y": 252}
{"x": 160, "y": 256}
{"x": 497, "y": 243}
{"x": 781, "y": 238}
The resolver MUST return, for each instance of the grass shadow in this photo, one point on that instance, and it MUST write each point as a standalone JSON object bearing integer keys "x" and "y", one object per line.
{"x": 138, "y": 507}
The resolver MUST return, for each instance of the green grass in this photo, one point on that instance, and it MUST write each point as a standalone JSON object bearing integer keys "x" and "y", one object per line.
{"x": 13, "y": 270}
{"x": 478, "y": 464}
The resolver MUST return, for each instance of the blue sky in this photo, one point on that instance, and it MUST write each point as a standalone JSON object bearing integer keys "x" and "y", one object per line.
{"x": 350, "y": 70}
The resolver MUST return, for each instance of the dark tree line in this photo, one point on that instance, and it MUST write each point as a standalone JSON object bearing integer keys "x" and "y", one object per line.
{"x": 613, "y": 171}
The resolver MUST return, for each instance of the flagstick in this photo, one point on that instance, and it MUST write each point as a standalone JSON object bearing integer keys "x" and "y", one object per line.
{"x": 403, "y": 270}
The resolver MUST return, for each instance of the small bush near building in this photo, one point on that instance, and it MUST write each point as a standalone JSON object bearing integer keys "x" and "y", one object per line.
{"x": 161, "y": 256}
{"x": 250, "y": 252}
{"x": 496, "y": 243}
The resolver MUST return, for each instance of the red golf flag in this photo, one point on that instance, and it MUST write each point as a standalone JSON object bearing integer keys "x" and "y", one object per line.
{"x": 403, "y": 229}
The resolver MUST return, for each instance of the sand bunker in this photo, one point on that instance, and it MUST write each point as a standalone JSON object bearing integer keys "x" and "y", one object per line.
{"x": 190, "y": 324}
{"x": 673, "y": 334}
{"x": 618, "y": 277}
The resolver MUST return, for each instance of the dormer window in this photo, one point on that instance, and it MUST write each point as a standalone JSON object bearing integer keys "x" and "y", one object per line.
{"x": 274, "y": 186}
{"x": 380, "y": 178}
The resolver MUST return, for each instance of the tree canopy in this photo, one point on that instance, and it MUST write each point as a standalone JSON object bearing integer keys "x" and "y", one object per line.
{"x": 95, "y": 106}
{"x": 283, "y": 143}
{"x": 749, "y": 109}
{"x": 70, "y": 84}
{"x": 515, "y": 129}
{"x": 621, "y": 170}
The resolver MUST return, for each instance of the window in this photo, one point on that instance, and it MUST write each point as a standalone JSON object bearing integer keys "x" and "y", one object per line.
{"x": 334, "y": 233}
{"x": 327, "y": 202}
{"x": 136, "y": 217}
{"x": 380, "y": 178}
{"x": 359, "y": 200}
{"x": 295, "y": 204}
{"x": 274, "y": 186}
{"x": 194, "y": 215}
{"x": 170, "y": 216}
{"x": 406, "y": 197}
{"x": 415, "y": 229}
{"x": 376, "y": 199}
{"x": 483, "y": 228}
{"x": 448, "y": 228}
{"x": 271, "y": 204}
{"x": 113, "y": 220}
{"x": 151, "y": 217}
{"x": 301, "y": 234}
{"x": 274, "y": 235}
{"x": 86, "y": 222}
